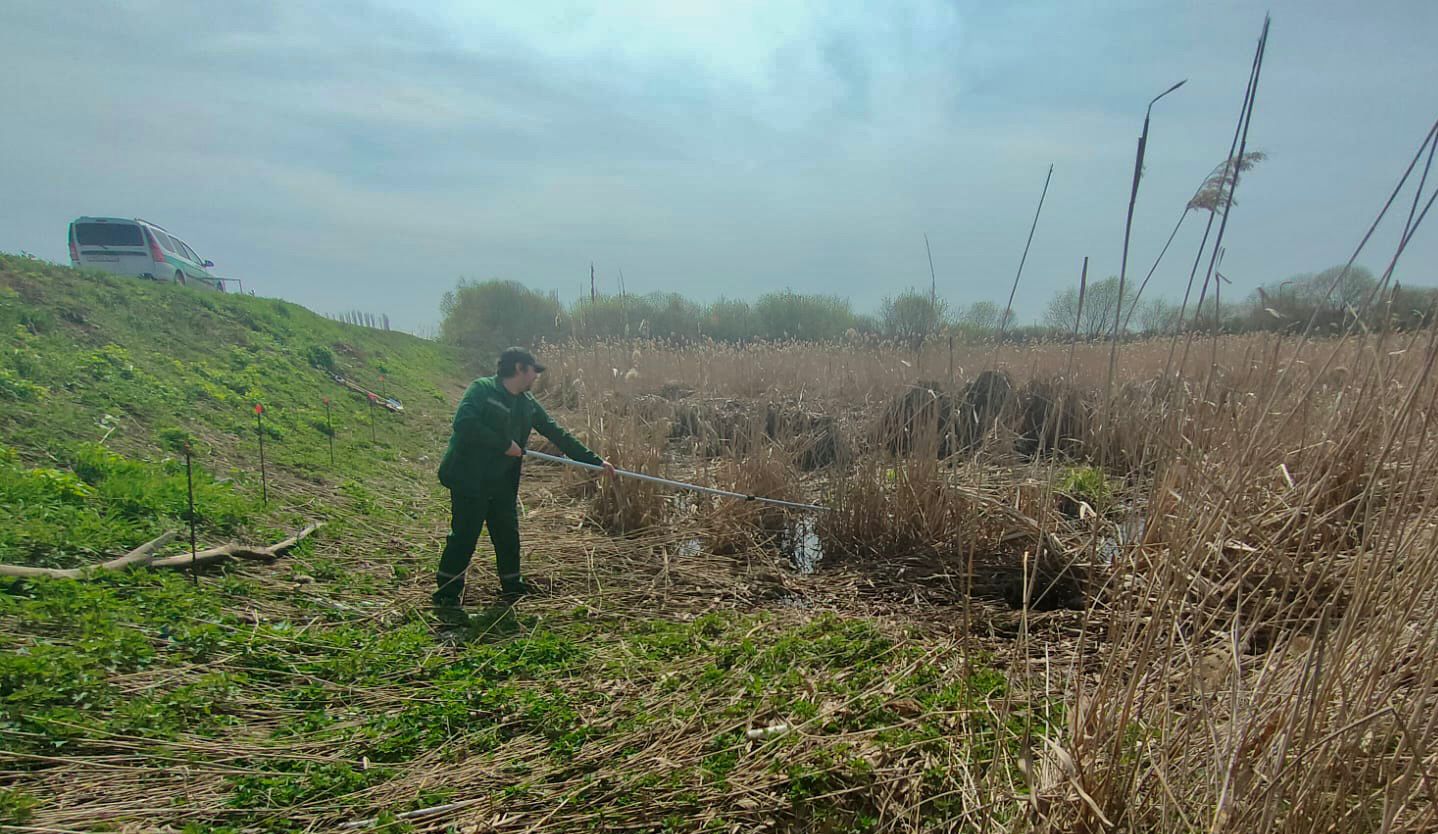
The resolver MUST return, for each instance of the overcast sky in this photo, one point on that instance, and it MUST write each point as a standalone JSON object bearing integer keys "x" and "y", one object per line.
{"x": 361, "y": 154}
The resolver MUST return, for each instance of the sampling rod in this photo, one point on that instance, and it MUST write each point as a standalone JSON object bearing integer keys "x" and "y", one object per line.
{"x": 625, "y": 473}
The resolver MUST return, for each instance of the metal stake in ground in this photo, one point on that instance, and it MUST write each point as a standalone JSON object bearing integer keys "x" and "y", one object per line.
{"x": 372, "y": 438}
{"x": 190, "y": 485}
{"x": 260, "y": 433}
{"x": 330, "y": 430}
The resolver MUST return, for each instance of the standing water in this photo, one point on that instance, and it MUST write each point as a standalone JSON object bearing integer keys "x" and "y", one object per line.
{"x": 802, "y": 546}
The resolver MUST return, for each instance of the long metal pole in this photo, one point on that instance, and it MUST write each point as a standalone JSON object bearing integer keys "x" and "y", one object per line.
{"x": 677, "y": 484}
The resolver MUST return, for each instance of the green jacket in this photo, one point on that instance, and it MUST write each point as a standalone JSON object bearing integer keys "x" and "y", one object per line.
{"x": 488, "y": 418}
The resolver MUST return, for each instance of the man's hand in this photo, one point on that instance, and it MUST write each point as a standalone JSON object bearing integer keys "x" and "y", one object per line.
{"x": 514, "y": 451}
{"x": 609, "y": 470}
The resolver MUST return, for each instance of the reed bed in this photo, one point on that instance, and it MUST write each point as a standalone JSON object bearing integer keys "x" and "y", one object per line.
{"x": 1206, "y": 604}
{"x": 1259, "y": 650}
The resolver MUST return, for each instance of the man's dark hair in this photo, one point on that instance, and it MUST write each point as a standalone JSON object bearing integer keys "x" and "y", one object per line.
{"x": 512, "y": 358}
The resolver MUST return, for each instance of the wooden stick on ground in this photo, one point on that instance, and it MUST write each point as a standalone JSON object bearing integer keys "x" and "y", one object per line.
{"x": 235, "y": 551}
{"x": 144, "y": 556}
{"x": 141, "y": 555}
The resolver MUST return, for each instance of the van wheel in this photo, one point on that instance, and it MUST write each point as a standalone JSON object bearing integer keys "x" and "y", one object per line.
{"x": 179, "y": 277}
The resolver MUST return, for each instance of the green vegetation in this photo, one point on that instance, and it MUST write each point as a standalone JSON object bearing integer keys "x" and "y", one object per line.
{"x": 94, "y": 501}
{"x": 911, "y": 317}
{"x": 145, "y": 658}
{"x": 487, "y": 316}
{"x": 1088, "y": 484}
{"x": 321, "y": 676}
{"x": 16, "y": 806}
{"x": 484, "y": 316}
{"x": 105, "y": 380}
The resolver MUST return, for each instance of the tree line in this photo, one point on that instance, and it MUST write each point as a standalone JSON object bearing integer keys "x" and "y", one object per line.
{"x": 490, "y": 314}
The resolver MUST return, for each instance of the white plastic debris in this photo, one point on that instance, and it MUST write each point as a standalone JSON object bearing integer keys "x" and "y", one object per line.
{"x": 756, "y": 733}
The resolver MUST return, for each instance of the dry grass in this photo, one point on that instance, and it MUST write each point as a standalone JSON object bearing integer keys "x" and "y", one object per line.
{"x": 1259, "y": 653}
{"x": 1242, "y": 636}
{"x": 857, "y": 375}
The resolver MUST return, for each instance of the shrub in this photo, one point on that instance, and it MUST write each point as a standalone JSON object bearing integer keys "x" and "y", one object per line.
{"x": 490, "y": 316}
{"x": 321, "y": 357}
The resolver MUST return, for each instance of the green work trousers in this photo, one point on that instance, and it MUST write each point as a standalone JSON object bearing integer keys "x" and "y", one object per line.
{"x": 468, "y": 516}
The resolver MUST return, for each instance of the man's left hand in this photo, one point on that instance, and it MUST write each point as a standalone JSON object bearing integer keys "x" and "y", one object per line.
{"x": 609, "y": 469}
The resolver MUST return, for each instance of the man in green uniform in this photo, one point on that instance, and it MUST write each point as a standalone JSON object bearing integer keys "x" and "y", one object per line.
{"x": 481, "y": 470}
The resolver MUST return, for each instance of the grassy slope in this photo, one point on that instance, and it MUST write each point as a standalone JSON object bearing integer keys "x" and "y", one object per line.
{"x": 87, "y": 352}
{"x": 316, "y": 690}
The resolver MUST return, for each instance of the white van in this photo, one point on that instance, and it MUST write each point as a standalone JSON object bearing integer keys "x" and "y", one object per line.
{"x": 137, "y": 247}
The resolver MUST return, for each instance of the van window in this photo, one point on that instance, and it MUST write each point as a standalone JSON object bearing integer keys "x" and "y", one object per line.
{"x": 168, "y": 242}
{"x": 108, "y": 234}
{"x": 185, "y": 249}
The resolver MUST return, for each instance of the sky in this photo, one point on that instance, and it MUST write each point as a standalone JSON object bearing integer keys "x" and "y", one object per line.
{"x": 362, "y": 154}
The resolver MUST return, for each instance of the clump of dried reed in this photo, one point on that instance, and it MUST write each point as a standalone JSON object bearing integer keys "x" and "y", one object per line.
{"x": 1270, "y": 635}
{"x": 625, "y": 506}
{"x": 724, "y": 426}
{"x": 1260, "y": 654}
{"x": 831, "y": 378}
{"x": 813, "y": 440}
{"x": 960, "y": 420}
{"x": 715, "y": 427}
{"x": 733, "y": 526}
{"x": 917, "y": 515}
{"x": 924, "y": 411}
{"x": 1054, "y": 416}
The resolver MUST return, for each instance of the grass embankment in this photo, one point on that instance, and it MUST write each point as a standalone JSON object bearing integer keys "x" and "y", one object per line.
{"x": 104, "y": 379}
{"x": 316, "y": 690}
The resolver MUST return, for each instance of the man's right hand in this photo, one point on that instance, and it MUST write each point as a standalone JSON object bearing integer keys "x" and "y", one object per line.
{"x": 514, "y": 451}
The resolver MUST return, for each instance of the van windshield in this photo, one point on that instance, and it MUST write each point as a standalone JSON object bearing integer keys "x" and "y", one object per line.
{"x": 108, "y": 234}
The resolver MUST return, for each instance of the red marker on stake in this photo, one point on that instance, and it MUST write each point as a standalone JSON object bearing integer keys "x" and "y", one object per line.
{"x": 372, "y": 399}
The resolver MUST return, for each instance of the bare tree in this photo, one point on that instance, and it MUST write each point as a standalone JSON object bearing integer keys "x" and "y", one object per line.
{"x": 981, "y": 315}
{"x": 911, "y": 317}
{"x": 1099, "y": 307}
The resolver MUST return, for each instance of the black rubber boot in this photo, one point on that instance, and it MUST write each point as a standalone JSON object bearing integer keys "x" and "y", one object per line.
{"x": 450, "y": 612}
{"x": 518, "y": 588}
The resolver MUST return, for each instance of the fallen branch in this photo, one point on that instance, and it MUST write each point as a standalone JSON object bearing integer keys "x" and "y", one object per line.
{"x": 235, "y": 551}
{"x": 144, "y": 555}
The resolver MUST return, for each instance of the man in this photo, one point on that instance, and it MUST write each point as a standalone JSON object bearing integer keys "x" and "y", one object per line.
{"x": 481, "y": 470}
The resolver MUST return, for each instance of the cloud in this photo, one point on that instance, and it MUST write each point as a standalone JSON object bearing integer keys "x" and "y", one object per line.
{"x": 367, "y": 154}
